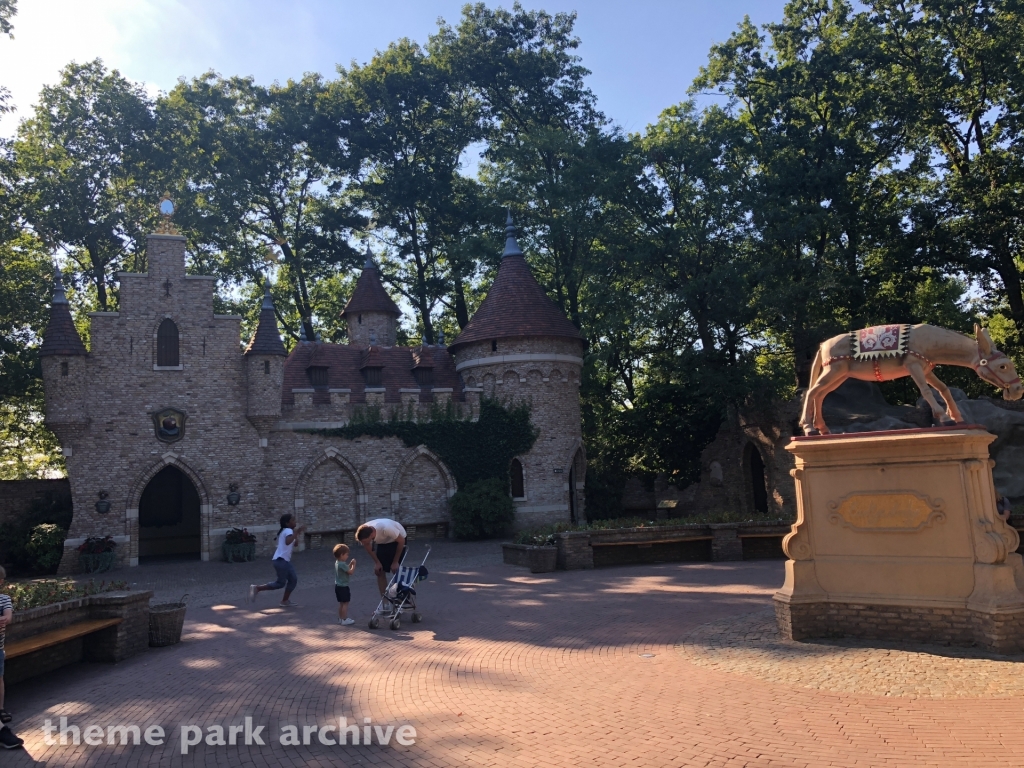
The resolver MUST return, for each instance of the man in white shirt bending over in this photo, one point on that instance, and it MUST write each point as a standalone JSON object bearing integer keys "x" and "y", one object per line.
{"x": 389, "y": 536}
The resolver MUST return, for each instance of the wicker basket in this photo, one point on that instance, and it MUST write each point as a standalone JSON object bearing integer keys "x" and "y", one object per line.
{"x": 165, "y": 623}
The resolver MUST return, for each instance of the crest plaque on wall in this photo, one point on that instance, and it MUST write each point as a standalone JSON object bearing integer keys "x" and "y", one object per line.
{"x": 169, "y": 425}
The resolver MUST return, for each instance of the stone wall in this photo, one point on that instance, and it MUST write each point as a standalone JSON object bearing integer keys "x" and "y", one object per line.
{"x": 545, "y": 373}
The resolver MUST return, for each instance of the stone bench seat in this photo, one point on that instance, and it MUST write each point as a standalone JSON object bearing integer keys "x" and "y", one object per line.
{"x": 57, "y": 636}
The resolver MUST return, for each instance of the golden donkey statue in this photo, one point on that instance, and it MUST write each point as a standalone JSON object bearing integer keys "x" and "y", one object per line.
{"x": 887, "y": 352}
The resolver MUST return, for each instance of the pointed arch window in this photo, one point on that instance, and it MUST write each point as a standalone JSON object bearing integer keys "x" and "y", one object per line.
{"x": 518, "y": 480}
{"x": 167, "y": 344}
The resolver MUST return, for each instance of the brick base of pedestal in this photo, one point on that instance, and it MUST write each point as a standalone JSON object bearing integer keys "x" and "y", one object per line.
{"x": 995, "y": 632}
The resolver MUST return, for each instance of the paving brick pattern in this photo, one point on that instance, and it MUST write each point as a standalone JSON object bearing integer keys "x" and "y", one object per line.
{"x": 750, "y": 644}
{"x": 507, "y": 669}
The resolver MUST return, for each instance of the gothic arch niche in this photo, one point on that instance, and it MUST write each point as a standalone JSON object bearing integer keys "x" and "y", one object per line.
{"x": 167, "y": 344}
{"x": 517, "y": 479}
{"x": 421, "y": 489}
{"x": 329, "y": 495}
{"x": 170, "y": 517}
{"x": 755, "y": 474}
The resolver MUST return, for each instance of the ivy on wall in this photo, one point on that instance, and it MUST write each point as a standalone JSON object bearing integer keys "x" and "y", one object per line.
{"x": 472, "y": 450}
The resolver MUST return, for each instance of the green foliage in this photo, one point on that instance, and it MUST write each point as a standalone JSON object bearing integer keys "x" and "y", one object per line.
{"x": 472, "y": 450}
{"x": 46, "y": 546}
{"x": 26, "y": 543}
{"x": 97, "y": 545}
{"x": 34, "y": 594}
{"x": 482, "y": 510}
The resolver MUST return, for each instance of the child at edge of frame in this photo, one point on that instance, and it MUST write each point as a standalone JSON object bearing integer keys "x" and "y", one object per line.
{"x": 343, "y": 568}
{"x": 8, "y": 739}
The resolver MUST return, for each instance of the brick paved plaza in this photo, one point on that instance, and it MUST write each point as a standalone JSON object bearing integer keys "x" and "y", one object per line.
{"x": 610, "y": 667}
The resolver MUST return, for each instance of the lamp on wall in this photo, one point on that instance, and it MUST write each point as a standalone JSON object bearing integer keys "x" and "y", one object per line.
{"x": 103, "y": 506}
{"x": 234, "y": 497}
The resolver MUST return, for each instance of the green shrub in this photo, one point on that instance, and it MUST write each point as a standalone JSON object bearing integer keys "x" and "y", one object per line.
{"x": 33, "y": 594}
{"x": 482, "y": 510}
{"x": 46, "y": 546}
{"x": 16, "y": 536}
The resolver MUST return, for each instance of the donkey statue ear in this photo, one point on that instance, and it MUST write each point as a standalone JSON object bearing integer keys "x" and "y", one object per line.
{"x": 984, "y": 340}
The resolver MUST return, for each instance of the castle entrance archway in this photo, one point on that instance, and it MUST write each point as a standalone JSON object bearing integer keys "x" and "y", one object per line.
{"x": 169, "y": 517}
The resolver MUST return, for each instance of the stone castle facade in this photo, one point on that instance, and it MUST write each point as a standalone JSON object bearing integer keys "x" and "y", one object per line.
{"x": 174, "y": 434}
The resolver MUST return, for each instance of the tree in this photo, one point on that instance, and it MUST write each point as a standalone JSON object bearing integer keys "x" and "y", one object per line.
{"x": 8, "y": 8}
{"x": 953, "y": 72}
{"x": 84, "y": 168}
{"x": 258, "y": 183}
{"x": 410, "y": 119}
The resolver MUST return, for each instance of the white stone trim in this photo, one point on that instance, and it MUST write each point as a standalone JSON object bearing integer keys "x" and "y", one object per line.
{"x": 249, "y": 528}
{"x": 410, "y": 390}
{"x": 341, "y": 390}
{"x": 131, "y": 514}
{"x": 66, "y": 451}
{"x": 79, "y": 542}
{"x": 104, "y": 314}
{"x": 226, "y": 317}
{"x": 544, "y": 508}
{"x": 303, "y": 390}
{"x": 168, "y": 367}
{"x": 263, "y": 442}
{"x": 201, "y": 277}
{"x": 122, "y": 275}
{"x": 373, "y": 390}
{"x": 441, "y": 390}
{"x": 522, "y": 358}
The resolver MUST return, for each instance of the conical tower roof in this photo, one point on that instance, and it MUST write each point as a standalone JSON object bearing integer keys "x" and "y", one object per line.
{"x": 267, "y": 338}
{"x": 369, "y": 295}
{"x": 60, "y": 337}
{"x": 516, "y": 305}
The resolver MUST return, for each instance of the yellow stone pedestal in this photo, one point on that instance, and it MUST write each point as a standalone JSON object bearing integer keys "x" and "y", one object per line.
{"x": 897, "y": 538}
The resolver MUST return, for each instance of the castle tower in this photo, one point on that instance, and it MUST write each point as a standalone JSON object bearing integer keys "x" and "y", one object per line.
{"x": 264, "y": 369}
{"x": 371, "y": 314}
{"x": 63, "y": 357}
{"x": 520, "y": 347}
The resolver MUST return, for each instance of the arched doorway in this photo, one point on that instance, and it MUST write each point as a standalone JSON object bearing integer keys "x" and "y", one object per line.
{"x": 757, "y": 479}
{"x": 169, "y": 517}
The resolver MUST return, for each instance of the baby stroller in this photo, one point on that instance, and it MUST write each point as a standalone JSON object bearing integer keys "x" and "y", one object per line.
{"x": 400, "y": 594}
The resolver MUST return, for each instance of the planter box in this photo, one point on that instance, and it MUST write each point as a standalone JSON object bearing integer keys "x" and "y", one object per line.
{"x": 238, "y": 553}
{"x": 537, "y": 559}
{"x": 715, "y": 542}
{"x": 131, "y": 636}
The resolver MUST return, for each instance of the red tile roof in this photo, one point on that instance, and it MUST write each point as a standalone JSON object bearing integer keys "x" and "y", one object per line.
{"x": 516, "y": 305}
{"x": 369, "y": 295}
{"x": 345, "y": 361}
{"x": 267, "y": 338}
{"x": 61, "y": 337}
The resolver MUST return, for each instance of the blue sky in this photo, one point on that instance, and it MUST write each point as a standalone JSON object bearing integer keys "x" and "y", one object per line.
{"x": 643, "y": 54}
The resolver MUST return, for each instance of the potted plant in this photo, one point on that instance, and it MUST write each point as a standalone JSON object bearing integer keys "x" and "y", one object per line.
{"x": 239, "y": 546}
{"x": 97, "y": 554}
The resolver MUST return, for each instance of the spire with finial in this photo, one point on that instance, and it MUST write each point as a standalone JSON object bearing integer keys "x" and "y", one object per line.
{"x": 267, "y": 338}
{"x": 60, "y": 337}
{"x": 369, "y": 263}
{"x": 511, "y": 244}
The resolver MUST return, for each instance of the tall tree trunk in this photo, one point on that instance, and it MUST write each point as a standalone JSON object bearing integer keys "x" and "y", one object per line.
{"x": 459, "y": 291}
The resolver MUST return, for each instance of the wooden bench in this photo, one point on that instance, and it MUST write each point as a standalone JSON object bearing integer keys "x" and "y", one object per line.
{"x": 57, "y": 636}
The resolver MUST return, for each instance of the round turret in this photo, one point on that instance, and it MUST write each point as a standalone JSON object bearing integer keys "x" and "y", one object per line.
{"x": 371, "y": 314}
{"x": 264, "y": 367}
{"x": 520, "y": 348}
{"x": 63, "y": 357}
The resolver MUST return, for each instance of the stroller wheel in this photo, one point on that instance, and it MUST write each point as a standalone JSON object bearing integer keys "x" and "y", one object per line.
{"x": 396, "y": 624}
{"x": 374, "y": 622}
{"x": 417, "y": 618}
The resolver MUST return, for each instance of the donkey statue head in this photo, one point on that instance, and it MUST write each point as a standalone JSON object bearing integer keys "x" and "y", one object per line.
{"x": 995, "y": 367}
